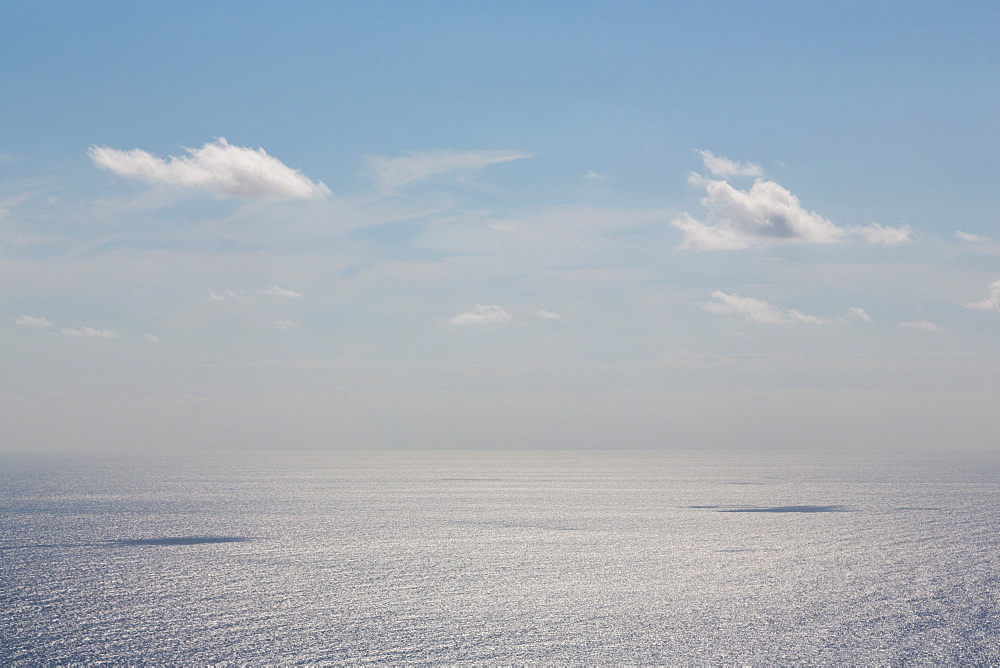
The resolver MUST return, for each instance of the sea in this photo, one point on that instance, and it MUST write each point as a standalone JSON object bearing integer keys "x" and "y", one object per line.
{"x": 500, "y": 558}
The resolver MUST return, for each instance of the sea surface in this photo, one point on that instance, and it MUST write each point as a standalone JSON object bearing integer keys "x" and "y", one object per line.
{"x": 500, "y": 558}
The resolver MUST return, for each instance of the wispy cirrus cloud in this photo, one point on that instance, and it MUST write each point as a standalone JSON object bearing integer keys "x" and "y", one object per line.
{"x": 90, "y": 332}
{"x": 32, "y": 321}
{"x": 758, "y": 310}
{"x": 765, "y": 214}
{"x": 275, "y": 291}
{"x": 725, "y": 168}
{"x": 217, "y": 167}
{"x": 390, "y": 174}
{"x": 227, "y": 295}
{"x": 481, "y": 314}
{"x": 991, "y": 302}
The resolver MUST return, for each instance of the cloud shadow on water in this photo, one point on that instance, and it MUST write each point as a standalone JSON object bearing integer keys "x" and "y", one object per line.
{"x": 773, "y": 509}
{"x": 785, "y": 509}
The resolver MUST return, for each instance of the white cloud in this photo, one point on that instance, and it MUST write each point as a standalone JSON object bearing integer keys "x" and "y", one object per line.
{"x": 275, "y": 291}
{"x": 285, "y": 324}
{"x": 972, "y": 238}
{"x": 481, "y": 314}
{"x": 765, "y": 214}
{"x": 990, "y": 302}
{"x": 724, "y": 167}
{"x": 859, "y": 313}
{"x": 594, "y": 176}
{"x": 217, "y": 167}
{"x": 225, "y": 296}
{"x": 391, "y": 174}
{"x": 32, "y": 321}
{"x": 548, "y": 315}
{"x": 91, "y": 332}
{"x": 925, "y": 325}
{"x": 152, "y": 338}
{"x": 757, "y": 310}
{"x": 884, "y": 235}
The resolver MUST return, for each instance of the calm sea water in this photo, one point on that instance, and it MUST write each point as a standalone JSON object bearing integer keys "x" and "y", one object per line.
{"x": 598, "y": 558}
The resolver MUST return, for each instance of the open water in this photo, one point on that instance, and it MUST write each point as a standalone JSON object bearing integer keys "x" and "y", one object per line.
{"x": 500, "y": 558}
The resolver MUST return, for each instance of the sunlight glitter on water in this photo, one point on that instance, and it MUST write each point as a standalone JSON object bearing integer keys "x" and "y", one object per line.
{"x": 499, "y": 557}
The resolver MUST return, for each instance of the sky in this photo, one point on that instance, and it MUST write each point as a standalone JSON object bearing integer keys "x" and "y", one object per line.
{"x": 331, "y": 225}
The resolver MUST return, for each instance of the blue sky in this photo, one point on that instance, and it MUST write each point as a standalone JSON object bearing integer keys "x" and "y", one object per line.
{"x": 516, "y": 225}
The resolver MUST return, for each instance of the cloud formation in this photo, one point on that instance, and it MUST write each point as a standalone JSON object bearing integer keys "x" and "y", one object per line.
{"x": 972, "y": 238}
{"x": 481, "y": 314}
{"x": 217, "y": 167}
{"x": 859, "y": 313}
{"x": 766, "y": 214}
{"x": 214, "y": 296}
{"x": 275, "y": 291}
{"x": 91, "y": 332}
{"x": 883, "y": 235}
{"x": 757, "y": 310}
{"x": 548, "y": 315}
{"x": 725, "y": 168}
{"x": 390, "y": 174}
{"x": 32, "y": 321}
{"x": 991, "y": 302}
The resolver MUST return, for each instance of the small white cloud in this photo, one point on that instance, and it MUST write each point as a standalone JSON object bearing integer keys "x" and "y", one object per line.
{"x": 925, "y": 325}
{"x": 594, "y": 176}
{"x": 275, "y": 291}
{"x": 152, "y": 338}
{"x": 757, "y": 310}
{"x": 32, "y": 321}
{"x": 972, "y": 238}
{"x": 859, "y": 313}
{"x": 884, "y": 235}
{"x": 91, "y": 332}
{"x": 548, "y": 315}
{"x": 285, "y": 324}
{"x": 991, "y": 302}
{"x": 481, "y": 314}
{"x": 763, "y": 215}
{"x": 217, "y": 167}
{"x": 724, "y": 167}
{"x": 390, "y": 174}
{"x": 225, "y": 296}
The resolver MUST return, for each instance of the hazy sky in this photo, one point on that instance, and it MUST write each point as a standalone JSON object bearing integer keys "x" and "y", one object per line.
{"x": 512, "y": 224}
